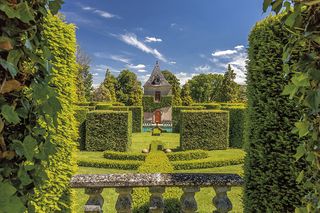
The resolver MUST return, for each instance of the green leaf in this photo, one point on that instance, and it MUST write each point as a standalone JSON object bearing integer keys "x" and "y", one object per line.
{"x": 55, "y": 5}
{"x": 29, "y": 145}
{"x": 24, "y": 177}
{"x": 277, "y": 5}
{"x": 266, "y": 4}
{"x": 314, "y": 74}
{"x": 24, "y": 12}
{"x": 291, "y": 19}
{"x": 300, "y": 177}
{"x": 8, "y": 10}
{"x": 14, "y": 57}
{"x": 303, "y": 127}
{"x": 9, "y": 114}
{"x": 301, "y": 80}
{"x": 301, "y": 150}
{"x": 8, "y": 66}
{"x": 313, "y": 100}
{"x": 290, "y": 90}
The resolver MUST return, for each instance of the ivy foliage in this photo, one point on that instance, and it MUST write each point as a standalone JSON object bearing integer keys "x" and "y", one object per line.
{"x": 149, "y": 105}
{"x": 270, "y": 145}
{"x": 302, "y": 20}
{"x": 28, "y": 102}
{"x": 54, "y": 195}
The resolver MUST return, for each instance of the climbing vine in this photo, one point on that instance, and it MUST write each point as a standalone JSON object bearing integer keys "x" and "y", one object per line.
{"x": 302, "y": 20}
{"x": 28, "y": 101}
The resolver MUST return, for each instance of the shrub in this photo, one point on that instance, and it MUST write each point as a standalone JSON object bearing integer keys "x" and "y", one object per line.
{"x": 110, "y": 164}
{"x": 208, "y": 105}
{"x": 124, "y": 156}
{"x": 81, "y": 116}
{"x": 187, "y": 155}
{"x": 270, "y": 165}
{"x": 204, "y": 129}
{"x": 108, "y": 130}
{"x": 117, "y": 104}
{"x": 205, "y": 163}
{"x": 103, "y": 106}
{"x": 54, "y": 195}
{"x": 176, "y": 120}
{"x": 149, "y": 105}
{"x": 237, "y": 125}
{"x": 82, "y": 103}
{"x": 156, "y": 162}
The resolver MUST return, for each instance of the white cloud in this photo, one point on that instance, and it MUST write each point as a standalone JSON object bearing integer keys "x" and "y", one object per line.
{"x": 131, "y": 39}
{"x": 136, "y": 67}
{"x": 223, "y": 53}
{"x": 152, "y": 39}
{"x": 142, "y": 71}
{"x": 239, "y": 47}
{"x": 172, "y": 62}
{"x": 95, "y": 74}
{"x": 119, "y": 58}
{"x": 87, "y": 8}
{"x": 184, "y": 77}
{"x": 101, "y": 13}
{"x": 143, "y": 78}
{"x": 203, "y": 68}
{"x": 176, "y": 26}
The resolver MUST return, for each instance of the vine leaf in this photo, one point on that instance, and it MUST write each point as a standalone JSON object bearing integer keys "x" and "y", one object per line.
{"x": 303, "y": 128}
{"x": 10, "y": 86}
{"x": 266, "y": 4}
{"x": 9, "y": 114}
{"x": 55, "y": 5}
{"x": 5, "y": 43}
{"x": 9, "y": 66}
{"x": 301, "y": 150}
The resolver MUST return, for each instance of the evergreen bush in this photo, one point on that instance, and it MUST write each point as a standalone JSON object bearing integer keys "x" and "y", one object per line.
{"x": 81, "y": 116}
{"x": 110, "y": 164}
{"x": 206, "y": 163}
{"x": 270, "y": 165}
{"x": 123, "y": 156}
{"x": 176, "y": 111}
{"x": 237, "y": 125}
{"x": 204, "y": 129}
{"x": 208, "y": 105}
{"x": 108, "y": 130}
{"x": 187, "y": 155}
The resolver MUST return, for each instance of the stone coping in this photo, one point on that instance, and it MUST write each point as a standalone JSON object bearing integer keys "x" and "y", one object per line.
{"x": 148, "y": 180}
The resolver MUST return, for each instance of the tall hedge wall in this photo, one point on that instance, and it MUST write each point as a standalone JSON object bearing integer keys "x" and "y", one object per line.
{"x": 108, "y": 130}
{"x": 150, "y": 106}
{"x": 81, "y": 117}
{"x": 137, "y": 114}
{"x": 204, "y": 129}
{"x": 237, "y": 125}
{"x": 54, "y": 195}
{"x": 270, "y": 167}
{"x": 176, "y": 111}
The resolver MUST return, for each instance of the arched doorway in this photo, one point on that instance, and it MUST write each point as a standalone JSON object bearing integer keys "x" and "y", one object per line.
{"x": 157, "y": 117}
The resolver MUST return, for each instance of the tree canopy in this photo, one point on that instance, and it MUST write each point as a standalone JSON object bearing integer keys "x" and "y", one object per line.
{"x": 175, "y": 83}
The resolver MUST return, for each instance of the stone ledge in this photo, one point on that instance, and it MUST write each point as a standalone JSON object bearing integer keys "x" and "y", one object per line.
{"x": 148, "y": 180}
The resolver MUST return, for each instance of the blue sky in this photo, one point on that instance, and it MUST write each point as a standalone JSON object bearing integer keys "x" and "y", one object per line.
{"x": 187, "y": 37}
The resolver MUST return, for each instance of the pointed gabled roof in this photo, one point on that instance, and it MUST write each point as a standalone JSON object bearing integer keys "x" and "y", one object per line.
{"x": 157, "y": 78}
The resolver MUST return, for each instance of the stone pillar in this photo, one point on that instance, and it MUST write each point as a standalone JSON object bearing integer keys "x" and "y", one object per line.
{"x": 188, "y": 202}
{"x": 221, "y": 200}
{"x": 95, "y": 201}
{"x": 156, "y": 200}
{"x": 124, "y": 200}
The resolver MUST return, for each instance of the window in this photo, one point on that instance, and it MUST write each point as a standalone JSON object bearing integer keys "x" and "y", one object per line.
{"x": 157, "y": 96}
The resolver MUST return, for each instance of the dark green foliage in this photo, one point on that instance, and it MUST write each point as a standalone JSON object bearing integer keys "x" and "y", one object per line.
{"x": 176, "y": 111}
{"x": 137, "y": 114}
{"x": 175, "y": 83}
{"x": 186, "y": 95}
{"x": 270, "y": 166}
{"x": 204, "y": 129}
{"x": 110, "y": 164}
{"x": 203, "y": 164}
{"x": 187, "y": 155}
{"x": 209, "y": 105}
{"x": 81, "y": 116}
{"x": 149, "y": 105}
{"x": 108, "y": 130}
{"x": 124, "y": 156}
{"x": 110, "y": 83}
{"x": 156, "y": 162}
{"x": 237, "y": 125}
{"x": 229, "y": 88}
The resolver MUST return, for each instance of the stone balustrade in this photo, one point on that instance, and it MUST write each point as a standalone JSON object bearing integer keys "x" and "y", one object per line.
{"x": 124, "y": 184}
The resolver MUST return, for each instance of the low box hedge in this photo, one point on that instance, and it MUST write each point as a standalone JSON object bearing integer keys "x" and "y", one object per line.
{"x": 204, "y": 129}
{"x": 204, "y": 164}
{"x": 81, "y": 116}
{"x": 110, "y": 164}
{"x": 176, "y": 120}
{"x": 108, "y": 130}
{"x": 187, "y": 155}
{"x": 237, "y": 125}
{"x": 123, "y": 156}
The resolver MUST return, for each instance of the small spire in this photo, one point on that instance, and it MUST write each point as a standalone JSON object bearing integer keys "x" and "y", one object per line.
{"x": 157, "y": 62}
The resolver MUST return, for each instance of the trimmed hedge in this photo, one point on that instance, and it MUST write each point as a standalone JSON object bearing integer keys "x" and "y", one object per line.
{"x": 204, "y": 129}
{"x": 176, "y": 120}
{"x": 150, "y": 106}
{"x": 124, "y": 156}
{"x": 237, "y": 125}
{"x": 81, "y": 116}
{"x": 137, "y": 114}
{"x": 108, "y": 130}
{"x": 208, "y": 105}
{"x": 187, "y": 155}
{"x": 156, "y": 162}
{"x": 270, "y": 166}
{"x": 203, "y": 164}
{"x": 110, "y": 164}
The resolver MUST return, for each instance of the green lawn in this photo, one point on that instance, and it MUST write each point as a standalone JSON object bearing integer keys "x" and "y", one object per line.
{"x": 170, "y": 140}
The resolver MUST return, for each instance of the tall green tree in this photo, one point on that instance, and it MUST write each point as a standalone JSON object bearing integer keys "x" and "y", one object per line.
{"x": 186, "y": 95}
{"x": 101, "y": 94}
{"x": 84, "y": 78}
{"x": 229, "y": 86}
{"x": 128, "y": 89}
{"x": 176, "y": 89}
{"x": 110, "y": 83}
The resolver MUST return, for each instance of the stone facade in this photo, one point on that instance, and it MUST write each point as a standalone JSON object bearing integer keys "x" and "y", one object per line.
{"x": 157, "y": 86}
